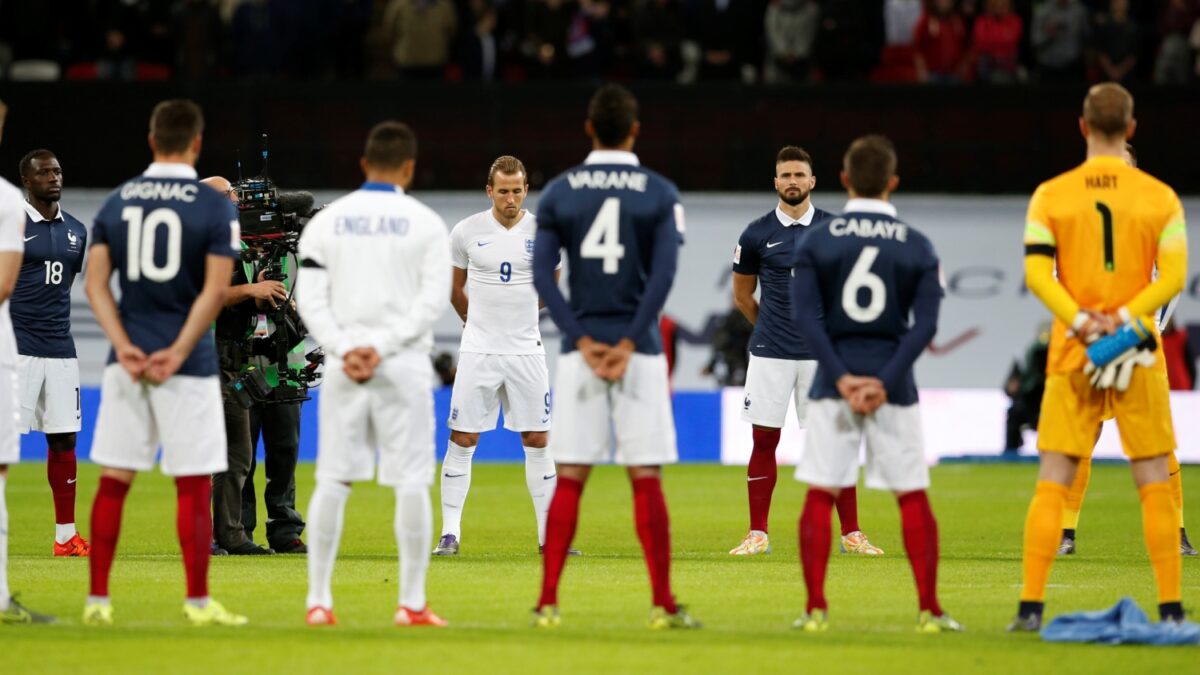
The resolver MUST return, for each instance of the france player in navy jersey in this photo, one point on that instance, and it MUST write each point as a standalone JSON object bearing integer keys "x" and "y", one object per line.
{"x": 781, "y": 366}
{"x": 621, "y": 226}
{"x": 857, "y": 280}
{"x": 172, "y": 242}
{"x": 47, "y": 369}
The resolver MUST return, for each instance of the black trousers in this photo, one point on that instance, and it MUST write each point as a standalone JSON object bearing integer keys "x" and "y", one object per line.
{"x": 279, "y": 427}
{"x": 227, "y": 486}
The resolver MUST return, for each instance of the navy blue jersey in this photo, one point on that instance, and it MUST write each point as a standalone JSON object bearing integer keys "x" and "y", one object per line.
{"x": 767, "y": 249}
{"x": 621, "y": 226}
{"x": 869, "y": 272}
{"x": 159, "y": 228}
{"x": 41, "y": 300}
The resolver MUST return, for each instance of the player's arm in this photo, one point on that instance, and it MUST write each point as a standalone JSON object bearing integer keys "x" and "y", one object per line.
{"x": 546, "y": 247}
{"x": 426, "y": 307}
{"x": 164, "y": 363}
{"x": 10, "y": 268}
{"x": 458, "y": 292}
{"x": 104, "y": 307}
{"x": 926, "y": 306}
{"x": 1041, "y": 246}
{"x": 557, "y": 280}
{"x": 12, "y": 249}
{"x": 664, "y": 260}
{"x": 745, "y": 277}
{"x": 1172, "y": 271}
{"x": 807, "y": 310}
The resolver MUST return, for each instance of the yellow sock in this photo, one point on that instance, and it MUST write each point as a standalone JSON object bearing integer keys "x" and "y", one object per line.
{"x": 1074, "y": 504}
{"x": 1160, "y": 524}
{"x": 1041, "y": 538}
{"x": 1176, "y": 472}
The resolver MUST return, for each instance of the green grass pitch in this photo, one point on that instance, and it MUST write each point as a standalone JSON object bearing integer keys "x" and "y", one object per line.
{"x": 747, "y": 604}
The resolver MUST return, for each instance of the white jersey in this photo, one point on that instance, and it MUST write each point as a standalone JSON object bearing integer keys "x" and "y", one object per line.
{"x": 12, "y": 231}
{"x": 374, "y": 272}
{"x": 502, "y": 309}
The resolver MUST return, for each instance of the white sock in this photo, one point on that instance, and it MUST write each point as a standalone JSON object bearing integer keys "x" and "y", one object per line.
{"x": 541, "y": 478}
{"x": 4, "y": 593}
{"x": 326, "y": 512}
{"x": 414, "y": 536}
{"x": 456, "y": 482}
{"x": 63, "y": 533}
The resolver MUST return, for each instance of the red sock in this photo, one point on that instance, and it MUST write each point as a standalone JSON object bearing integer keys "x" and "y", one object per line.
{"x": 654, "y": 531}
{"x": 816, "y": 534}
{"x": 847, "y": 509}
{"x": 921, "y": 542}
{"x": 106, "y": 527}
{"x": 60, "y": 472}
{"x": 761, "y": 475}
{"x": 193, "y": 520}
{"x": 560, "y": 531}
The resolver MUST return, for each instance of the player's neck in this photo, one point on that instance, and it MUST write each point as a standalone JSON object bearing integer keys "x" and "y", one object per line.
{"x": 508, "y": 223}
{"x": 627, "y": 146}
{"x": 400, "y": 179}
{"x": 1103, "y": 147}
{"x": 182, "y": 158}
{"x": 795, "y": 212}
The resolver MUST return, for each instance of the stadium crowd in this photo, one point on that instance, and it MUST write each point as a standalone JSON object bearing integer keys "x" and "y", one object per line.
{"x": 769, "y": 41}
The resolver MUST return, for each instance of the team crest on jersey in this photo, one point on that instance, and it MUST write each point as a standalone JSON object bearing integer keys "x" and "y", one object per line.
{"x": 453, "y": 414}
{"x": 746, "y": 403}
{"x": 529, "y": 246}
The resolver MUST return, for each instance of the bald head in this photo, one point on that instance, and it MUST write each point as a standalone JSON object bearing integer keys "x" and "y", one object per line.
{"x": 222, "y": 185}
{"x": 1108, "y": 110}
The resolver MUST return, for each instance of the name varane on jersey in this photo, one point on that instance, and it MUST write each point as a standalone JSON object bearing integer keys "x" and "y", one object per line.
{"x": 41, "y": 300}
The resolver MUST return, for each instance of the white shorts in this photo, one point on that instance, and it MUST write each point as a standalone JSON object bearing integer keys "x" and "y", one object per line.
{"x": 184, "y": 415}
{"x": 773, "y": 383}
{"x": 894, "y": 443}
{"x": 49, "y": 395}
{"x": 590, "y": 413}
{"x": 485, "y": 382}
{"x": 10, "y": 440}
{"x": 391, "y": 416}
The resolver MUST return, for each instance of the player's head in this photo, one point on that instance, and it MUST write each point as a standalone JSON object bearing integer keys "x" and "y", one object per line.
{"x": 612, "y": 121}
{"x": 222, "y": 185}
{"x": 176, "y": 127}
{"x": 869, "y": 167}
{"x": 391, "y": 154}
{"x": 41, "y": 175}
{"x": 1130, "y": 155}
{"x": 507, "y": 185}
{"x": 1108, "y": 114}
{"x": 794, "y": 179}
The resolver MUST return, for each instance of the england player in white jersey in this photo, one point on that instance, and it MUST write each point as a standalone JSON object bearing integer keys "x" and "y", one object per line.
{"x": 502, "y": 362}
{"x": 373, "y": 280}
{"x": 12, "y": 228}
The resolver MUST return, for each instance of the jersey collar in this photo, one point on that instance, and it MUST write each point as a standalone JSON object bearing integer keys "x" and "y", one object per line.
{"x": 371, "y": 186}
{"x": 170, "y": 170}
{"x": 805, "y": 220}
{"x": 497, "y": 223}
{"x": 1106, "y": 159}
{"x": 611, "y": 157}
{"x": 36, "y": 217}
{"x": 861, "y": 205}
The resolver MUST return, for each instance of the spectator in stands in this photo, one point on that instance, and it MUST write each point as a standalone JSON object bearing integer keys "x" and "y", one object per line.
{"x": 1181, "y": 360}
{"x": 479, "y": 54}
{"x": 996, "y": 44}
{"x": 589, "y": 39}
{"x": 544, "y": 44}
{"x": 1058, "y": 34}
{"x": 1116, "y": 39}
{"x": 1174, "y": 61}
{"x": 657, "y": 34}
{"x": 1025, "y": 385}
{"x": 900, "y": 19}
{"x": 120, "y": 30}
{"x": 727, "y": 32}
{"x": 422, "y": 36}
{"x": 196, "y": 31}
{"x": 791, "y": 31}
{"x": 850, "y": 38}
{"x": 940, "y": 41}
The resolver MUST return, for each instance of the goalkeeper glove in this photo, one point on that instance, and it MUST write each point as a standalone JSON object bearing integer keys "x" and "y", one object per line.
{"x": 1118, "y": 373}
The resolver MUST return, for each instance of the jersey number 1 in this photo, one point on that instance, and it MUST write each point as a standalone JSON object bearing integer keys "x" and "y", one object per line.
{"x": 1106, "y": 219}
{"x": 143, "y": 235}
{"x": 603, "y": 238}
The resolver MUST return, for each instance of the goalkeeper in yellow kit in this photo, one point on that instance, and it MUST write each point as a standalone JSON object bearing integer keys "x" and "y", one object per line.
{"x": 1103, "y": 227}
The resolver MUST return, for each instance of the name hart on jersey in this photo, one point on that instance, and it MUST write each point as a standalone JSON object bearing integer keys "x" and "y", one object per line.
{"x": 152, "y": 189}
{"x": 598, "y": 179}
{"x": 869, "y": 229}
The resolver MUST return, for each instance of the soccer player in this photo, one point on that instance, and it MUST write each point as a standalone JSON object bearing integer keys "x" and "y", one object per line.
{"x": 48, "y": 372}
{"x": 1083, "y": 473}
{"x": 621, "y": 225}
{"x": 374, "y": 277}
{"x": 502, "y": 360}
{"x": 857, "y": 280}
{"x": 172, "y": 242}
{"x": 781, "y": 364}
{"x": 1093, "y": 237}
{"x": 12, "y": 225}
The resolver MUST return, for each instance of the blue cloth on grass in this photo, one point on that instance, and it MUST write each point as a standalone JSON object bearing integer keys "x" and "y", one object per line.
{"x": 1123, "y": 623}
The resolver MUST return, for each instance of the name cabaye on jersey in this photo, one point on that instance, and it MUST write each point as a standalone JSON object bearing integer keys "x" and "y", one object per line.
{"x": 869, "y": 229}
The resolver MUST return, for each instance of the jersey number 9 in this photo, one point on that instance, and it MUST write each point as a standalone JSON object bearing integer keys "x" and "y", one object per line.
{"x": 505, "y": 272}
{"x": 143, "y": 235}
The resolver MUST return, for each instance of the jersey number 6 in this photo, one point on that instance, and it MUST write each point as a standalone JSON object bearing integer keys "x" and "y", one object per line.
{"x": 862, "y": 277}
{"x": 143, "y": 235}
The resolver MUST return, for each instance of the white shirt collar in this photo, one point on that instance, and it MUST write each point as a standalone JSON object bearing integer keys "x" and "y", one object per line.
{"x": 805, "y": 220}
{"x": 611, "y": 157}
{"x": 861, "y": 205}
{"x": 36, "y": 217}
{"x": 170, "y": 170}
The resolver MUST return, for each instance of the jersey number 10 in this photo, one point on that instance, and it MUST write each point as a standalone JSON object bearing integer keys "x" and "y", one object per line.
{"x": 143, "y": 235}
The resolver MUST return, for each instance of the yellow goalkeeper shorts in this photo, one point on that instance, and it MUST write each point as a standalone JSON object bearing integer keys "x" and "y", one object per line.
{"x": 1072, "y": 412}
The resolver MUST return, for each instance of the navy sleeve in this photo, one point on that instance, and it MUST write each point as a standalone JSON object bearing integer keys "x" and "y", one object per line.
{"x": 546, "y": 248}
{"x": 807, "y": 310}
{"x": 926, "y": 306}
{"x": 745, "y": 256}
{"x": 223, "y": 235}
{"x": 663, "y": 262}
{"x": 99, "y": 229}
{"x": 83, "y": 243}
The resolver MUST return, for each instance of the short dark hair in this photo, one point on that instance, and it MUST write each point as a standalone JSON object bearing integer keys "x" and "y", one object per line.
{"x": 1132, "y": 154}
{"x": 793, "y": 153}
{"x": 1108, "y": 109}
{"x": 509, "y": 165}
{"x": 26, "y": 164}
{"x": 175, "y": 124}
{"x": 612, "y": 111}
{"x": 390, "y": 144}
{"x": 870, "y": 163}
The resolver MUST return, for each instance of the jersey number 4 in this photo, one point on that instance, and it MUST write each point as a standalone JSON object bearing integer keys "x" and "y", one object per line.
{"x": 603, "y": 239}
{"x": 143, "y": 236}
{"x": 862, "y": 277}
